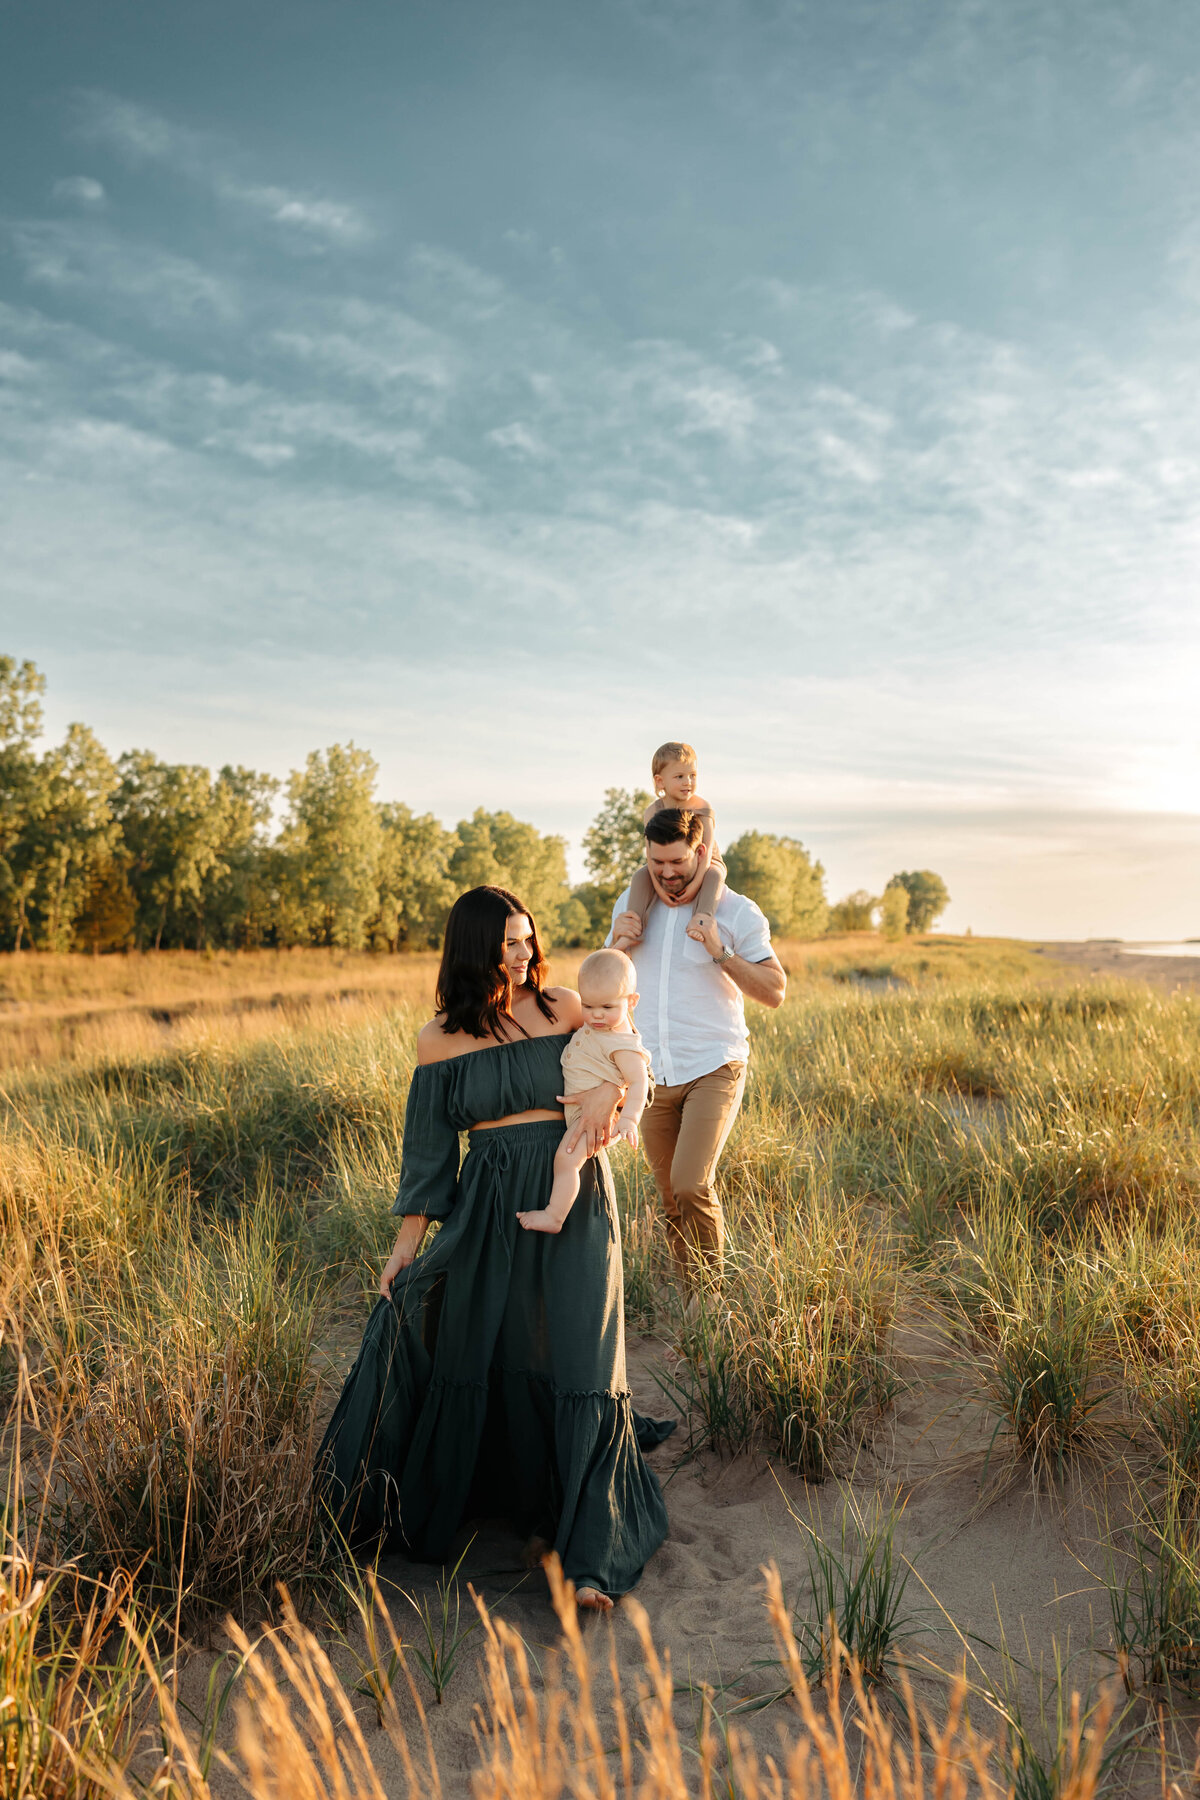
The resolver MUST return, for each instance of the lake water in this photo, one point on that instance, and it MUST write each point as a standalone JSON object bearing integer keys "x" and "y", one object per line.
{"x": 1160, "y": 950}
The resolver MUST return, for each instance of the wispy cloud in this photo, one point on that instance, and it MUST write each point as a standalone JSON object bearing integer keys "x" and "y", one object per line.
{"x": 517, "y": 438}
{"x": 380, "y": 346}
{"x": 141, "y": 136}
{"x": 79, "y": 190}
{"x": 156, "y": 285}
{"x": 332, "y": 219}
{"x": 915, "y": 556}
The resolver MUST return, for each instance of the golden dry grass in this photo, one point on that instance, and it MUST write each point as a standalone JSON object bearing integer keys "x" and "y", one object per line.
{"x": 77, "y": 1008}
{"x": 950, "y": 1130}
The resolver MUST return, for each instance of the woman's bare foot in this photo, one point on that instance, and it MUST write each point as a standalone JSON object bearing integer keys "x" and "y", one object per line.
{"x": 592, "y": 1600}
{"x": 539, "y": 1221}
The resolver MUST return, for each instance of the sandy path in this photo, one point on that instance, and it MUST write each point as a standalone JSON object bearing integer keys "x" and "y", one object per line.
{"x": 1016, "y": 1563}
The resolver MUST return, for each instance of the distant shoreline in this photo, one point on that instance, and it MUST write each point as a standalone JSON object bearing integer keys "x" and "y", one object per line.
{"x": 1107, "y": 956}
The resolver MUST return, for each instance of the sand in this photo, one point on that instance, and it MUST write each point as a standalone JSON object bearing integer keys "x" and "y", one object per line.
{"x": 1105, "y": 957}
{"x": 1002, "y": 1565}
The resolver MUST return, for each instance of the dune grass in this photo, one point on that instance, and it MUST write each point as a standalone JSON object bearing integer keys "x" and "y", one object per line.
{"x": 1021, "y": 1152}
{"x": 91, "y": 1710}
{"x": 192, "y": 1226}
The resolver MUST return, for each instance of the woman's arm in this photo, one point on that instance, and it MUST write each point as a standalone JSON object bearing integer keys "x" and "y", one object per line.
{"x": 429, "y": 1164}
{"x": 408, "y": 1242}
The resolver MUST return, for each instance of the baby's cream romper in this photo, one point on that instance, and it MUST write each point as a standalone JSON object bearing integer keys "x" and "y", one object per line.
{"x": 588, "y": 1060}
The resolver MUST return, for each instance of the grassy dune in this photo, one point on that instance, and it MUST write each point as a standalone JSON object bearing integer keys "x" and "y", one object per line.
{"x": 947, "y": 1143}
{"x": 56, "y": 1008}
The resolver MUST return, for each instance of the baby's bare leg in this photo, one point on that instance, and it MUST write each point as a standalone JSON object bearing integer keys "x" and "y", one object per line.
{"x": 712, "y": 888}
{"x": 641, "y": 893}
{"x": 563, "y": 1193}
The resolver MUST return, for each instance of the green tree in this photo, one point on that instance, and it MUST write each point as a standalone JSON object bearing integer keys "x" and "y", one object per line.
{"x": 573, "y": 927}
{"x": 56, "y": 825}
{"x": 330, "y": 846}
{"x": 415, "y": 887}
{"x": 22, "y": 789}
{"x": 597, "y": 902}
{"x": 779, "y": 874}
{"x": 855, "y": 913}
{"x": 107, "y": 919}
{"x": 928, "y": 896}
{"x": 893, "y": 911}
{"x": 237, "y": 905}
{"x": 613, "y": 844}
{"x": 171, "y": 824}
{"x": 496, "y": 850}
{"x": 613, "y": 848}
{"x": 75, "y": 833}
{"x": 21, "y": 688}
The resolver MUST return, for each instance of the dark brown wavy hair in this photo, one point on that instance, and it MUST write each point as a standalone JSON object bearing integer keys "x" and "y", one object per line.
{"x": 474, "y": 989}
{"x": 673, "y": 825}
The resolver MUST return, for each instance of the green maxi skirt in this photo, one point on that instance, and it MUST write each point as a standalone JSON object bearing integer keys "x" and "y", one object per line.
{"x": 493, "y": 1382}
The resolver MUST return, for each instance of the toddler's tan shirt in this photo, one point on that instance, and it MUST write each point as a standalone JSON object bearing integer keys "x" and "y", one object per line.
{"x": 588, "y": 1059}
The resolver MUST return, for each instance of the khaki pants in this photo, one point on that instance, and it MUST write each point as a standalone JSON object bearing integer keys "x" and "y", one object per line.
{"x": 684, "y": 1133}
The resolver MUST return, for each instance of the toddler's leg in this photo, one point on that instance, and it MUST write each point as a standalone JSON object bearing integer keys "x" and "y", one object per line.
{"x": 563, "y": 1193}
{"x": 712, "y": 888}
{"x": 641, "y": 893}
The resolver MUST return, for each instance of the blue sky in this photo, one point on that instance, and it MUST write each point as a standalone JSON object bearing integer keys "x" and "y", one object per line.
{"x": 510, "y": 386}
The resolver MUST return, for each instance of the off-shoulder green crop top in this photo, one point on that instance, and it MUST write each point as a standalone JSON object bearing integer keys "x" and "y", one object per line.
{"x": 448, "y": 1097}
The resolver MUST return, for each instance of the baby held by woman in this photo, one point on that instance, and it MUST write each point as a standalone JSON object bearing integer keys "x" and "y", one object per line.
{"x": 606, "y": 1047}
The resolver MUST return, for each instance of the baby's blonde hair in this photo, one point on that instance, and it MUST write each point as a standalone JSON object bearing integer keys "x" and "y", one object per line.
{"x": 669, "y": 753}
{"x": 609, "y": 965}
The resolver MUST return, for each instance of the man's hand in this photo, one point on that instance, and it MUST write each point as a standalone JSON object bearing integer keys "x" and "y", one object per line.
{"x": 597, "y": 1118}
{"x": 628, "y": 930}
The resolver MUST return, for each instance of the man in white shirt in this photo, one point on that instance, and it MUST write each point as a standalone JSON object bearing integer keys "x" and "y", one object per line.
{"x": 691, "y": 1016}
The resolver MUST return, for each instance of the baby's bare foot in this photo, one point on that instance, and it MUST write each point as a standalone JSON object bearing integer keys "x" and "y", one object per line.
{"x": 539, "y": 1221}
{"x": 592, "y": 1600}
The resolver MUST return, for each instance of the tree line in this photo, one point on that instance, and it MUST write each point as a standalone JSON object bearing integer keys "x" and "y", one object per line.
{"x": 105, "y": 854}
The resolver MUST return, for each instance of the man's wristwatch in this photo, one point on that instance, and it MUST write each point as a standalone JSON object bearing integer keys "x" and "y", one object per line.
{"x": 727, "y": 955}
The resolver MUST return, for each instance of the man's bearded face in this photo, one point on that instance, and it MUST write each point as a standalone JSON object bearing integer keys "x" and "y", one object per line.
{"x": 674, "y": 865}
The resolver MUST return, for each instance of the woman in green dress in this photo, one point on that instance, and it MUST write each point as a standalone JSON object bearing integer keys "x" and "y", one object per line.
{"x": 491, "y": 1378}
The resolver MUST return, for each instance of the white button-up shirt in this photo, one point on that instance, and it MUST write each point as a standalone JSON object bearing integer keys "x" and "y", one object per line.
{"x": 690, "y": 1013}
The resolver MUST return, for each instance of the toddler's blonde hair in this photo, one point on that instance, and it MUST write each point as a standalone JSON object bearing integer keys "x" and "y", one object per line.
{"x": 669, "y": 753}
{"x": 609, "y": 965}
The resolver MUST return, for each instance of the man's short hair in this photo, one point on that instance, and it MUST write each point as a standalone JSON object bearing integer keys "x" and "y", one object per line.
{"x": 669, "y": 753}
{"x": 672, "y": 826}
